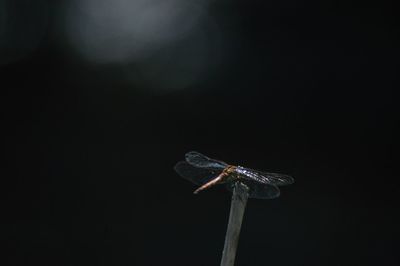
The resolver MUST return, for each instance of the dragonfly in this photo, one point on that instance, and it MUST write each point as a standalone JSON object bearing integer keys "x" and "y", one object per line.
{"x": 206, "y": 172}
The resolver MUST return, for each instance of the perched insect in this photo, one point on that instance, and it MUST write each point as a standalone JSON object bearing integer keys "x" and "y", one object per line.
{"x": 208, "y": 172}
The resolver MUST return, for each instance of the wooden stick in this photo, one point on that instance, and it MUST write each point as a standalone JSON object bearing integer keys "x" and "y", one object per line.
{"x": 238, "y": 205}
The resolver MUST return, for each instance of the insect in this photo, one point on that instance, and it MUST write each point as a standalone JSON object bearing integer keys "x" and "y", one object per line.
{"x": 208, "y": 172}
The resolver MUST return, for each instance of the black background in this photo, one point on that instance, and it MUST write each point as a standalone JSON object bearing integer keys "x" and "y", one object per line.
{"x": 309, "y": 89}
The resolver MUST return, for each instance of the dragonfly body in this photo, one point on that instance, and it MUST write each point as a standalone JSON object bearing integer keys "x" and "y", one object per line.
{"x": 208, "y": 172}
{"x": 229, "y": 174}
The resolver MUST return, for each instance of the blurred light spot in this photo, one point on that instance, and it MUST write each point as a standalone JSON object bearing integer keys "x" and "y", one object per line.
{"x": 23, "y": 25}
{"x": 121, "y": 30}
{"x": 181, "y": 64}
{"x": 155, "y": 44}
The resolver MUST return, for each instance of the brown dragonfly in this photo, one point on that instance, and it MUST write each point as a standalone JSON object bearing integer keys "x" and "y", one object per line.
{"x": 207, "y": 172}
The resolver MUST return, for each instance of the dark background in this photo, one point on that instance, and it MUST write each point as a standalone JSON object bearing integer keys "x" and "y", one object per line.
{"x": 304, "y": 88}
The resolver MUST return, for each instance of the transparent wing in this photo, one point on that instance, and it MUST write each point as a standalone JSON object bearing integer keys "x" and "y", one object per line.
{"x": 258, "y": 190}
{"x": 199, "y": 160}
{"x": 198, "y": 176}
{"x": 265, "y": 178}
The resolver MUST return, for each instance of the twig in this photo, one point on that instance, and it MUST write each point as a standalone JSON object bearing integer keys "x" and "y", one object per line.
{"x": 238, "y": 205}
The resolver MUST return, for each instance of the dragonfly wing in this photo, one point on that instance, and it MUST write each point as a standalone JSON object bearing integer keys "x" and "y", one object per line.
{"x": 199, "y": 160}
{"x": 278, "y": 179}
{"x": 198, "y": 176}
{"x": 259, "y": 191}
{"x": 265, "y": 178}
